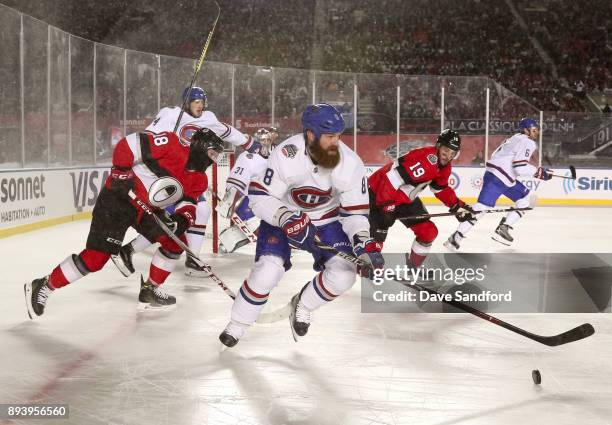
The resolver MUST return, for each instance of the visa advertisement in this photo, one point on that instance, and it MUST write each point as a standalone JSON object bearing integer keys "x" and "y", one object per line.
{"x": 32, "y": 196}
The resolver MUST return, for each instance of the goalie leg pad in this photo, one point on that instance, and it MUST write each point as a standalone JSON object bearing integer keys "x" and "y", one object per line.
{"x": 253, "y": 294}
{"x": 231, "y": 239}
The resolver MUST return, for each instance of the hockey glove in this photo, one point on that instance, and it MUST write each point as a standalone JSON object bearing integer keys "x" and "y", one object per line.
{"x": 120, "y": 180}
{"x": 251, "y": 146}
{"x": 543, "y": 174}
{"x": 368, "y": 250}
{"x": 301, "y": 233}
{"x": 463, "y": 212}
{"x": 182, "y": 219}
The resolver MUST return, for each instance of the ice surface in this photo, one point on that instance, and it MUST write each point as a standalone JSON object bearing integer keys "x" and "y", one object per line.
{"x": 113, "y": 365}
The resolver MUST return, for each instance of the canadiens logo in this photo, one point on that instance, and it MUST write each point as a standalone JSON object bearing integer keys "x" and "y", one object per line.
{"x": 273, "y": 240}
{"x": 433, "y": 159}
{"x": 289, "y": 151}
{"x": 310, "y": 197}
{"x": 186, "y": 133}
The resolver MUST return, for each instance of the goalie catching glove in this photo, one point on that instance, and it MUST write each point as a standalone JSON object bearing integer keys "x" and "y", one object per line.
{"x": 368, "y": 250}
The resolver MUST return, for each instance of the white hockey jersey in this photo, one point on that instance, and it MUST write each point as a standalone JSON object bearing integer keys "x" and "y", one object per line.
{"x": 293, "y": 181}
{"x": 166, "y": 120}
{"x": 511, "y": 159}
{"x": 247, "y": 166}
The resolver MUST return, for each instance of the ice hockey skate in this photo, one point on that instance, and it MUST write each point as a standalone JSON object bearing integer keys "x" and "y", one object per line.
{"x": 192, "y": 269}
{"x": 453, "y": 241}
{"x": 123, "y": 260}
{"x": 36, "y": 294}
{"x": 502, "y": 233}
{"x": 151, "y": 297}
{"x": 232, "y": 334}
{"x": 299, "y": 318}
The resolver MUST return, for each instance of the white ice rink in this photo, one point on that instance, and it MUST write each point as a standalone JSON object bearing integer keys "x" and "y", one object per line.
{"x": 112, "y": 365}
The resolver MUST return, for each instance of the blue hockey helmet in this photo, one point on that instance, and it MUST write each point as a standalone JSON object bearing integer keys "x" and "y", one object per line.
{"x": 322, "y": 118}
{"x": 527, "y": 123}
{"x": 197, "y": 93}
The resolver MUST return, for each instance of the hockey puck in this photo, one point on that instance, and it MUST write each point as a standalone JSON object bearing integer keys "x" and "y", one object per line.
{"x": 537, "y": 378}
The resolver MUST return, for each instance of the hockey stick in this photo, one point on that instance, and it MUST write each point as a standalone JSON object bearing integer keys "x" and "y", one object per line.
{"x": 197, "y": 68}
{"x": 234, "y": 218}
{"x": 497, "y": 210}
{"x": 572, "y": 171}
{"x": 144, "y": 207}
{"x": 270, "y": 317}
{"x": 583, "y": 331}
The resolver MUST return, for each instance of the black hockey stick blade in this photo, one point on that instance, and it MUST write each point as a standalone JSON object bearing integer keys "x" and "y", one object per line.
{"x": 580, "y": 332}
{"x": 572, "y": 175}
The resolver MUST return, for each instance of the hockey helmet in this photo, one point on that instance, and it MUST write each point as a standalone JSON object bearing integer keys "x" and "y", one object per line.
{"x": 322, "y": 118}
{"x": 196, "y": 93}
{"x": 527, "y": 123}
{"x": 201, "y": 141}
{"x": 450, "y": 139}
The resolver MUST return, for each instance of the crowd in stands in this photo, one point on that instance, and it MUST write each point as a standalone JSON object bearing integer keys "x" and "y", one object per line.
{"x": 577, "y": 35}
{"x": 416, "y": 37}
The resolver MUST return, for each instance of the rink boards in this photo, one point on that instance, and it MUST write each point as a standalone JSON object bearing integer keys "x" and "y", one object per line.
{"x": 31, "y": 199}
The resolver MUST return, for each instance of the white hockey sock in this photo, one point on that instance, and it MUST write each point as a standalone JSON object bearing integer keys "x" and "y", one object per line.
{"x": 338, "y": 276}
{"x": 140, "y": 243}
{"x": 253, "y": 294}
{"x": 195, "y": 238}
{"x": 514, "y": 216}
{"x": 195, "y": 234}
{"x": 466, "y": 226}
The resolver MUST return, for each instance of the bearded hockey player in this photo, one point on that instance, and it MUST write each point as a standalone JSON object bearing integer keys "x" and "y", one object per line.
{"x": 314, "y": 188}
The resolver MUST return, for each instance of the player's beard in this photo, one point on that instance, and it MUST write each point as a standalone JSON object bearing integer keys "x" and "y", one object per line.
{"x": 326, "y": 158}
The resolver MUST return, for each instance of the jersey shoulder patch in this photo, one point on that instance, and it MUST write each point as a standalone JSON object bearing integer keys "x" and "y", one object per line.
{"x": 290, "y": 150}
{"x": 433, "y": 159}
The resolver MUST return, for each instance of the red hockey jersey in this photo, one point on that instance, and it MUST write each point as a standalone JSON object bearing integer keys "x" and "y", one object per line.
{"x": 155, "y": 155}
{"x": 401, "y": 181}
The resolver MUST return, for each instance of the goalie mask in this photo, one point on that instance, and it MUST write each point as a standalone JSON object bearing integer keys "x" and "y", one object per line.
{"x": 267, "y": 138}
{"x": 204, "y": 149}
